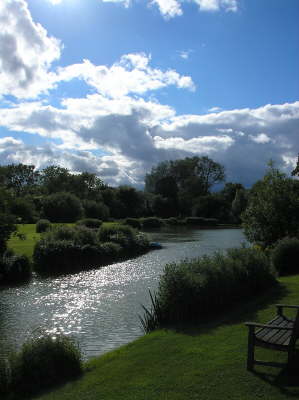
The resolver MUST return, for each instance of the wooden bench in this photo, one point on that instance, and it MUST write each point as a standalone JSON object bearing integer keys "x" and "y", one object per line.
{"x": 281, "y": 333}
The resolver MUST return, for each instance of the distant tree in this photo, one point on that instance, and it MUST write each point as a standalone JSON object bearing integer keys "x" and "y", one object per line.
{"x": 62, "y": 207}
{"x": 184, "y": 180}
{"x": 239, "y": 204}
{"x": 55, "y": 179}
{"x": 273, "y": 208}
{"x": 7, "y": 221}
{"x": 24, "y": 209}
{"x": 164, "y": 207}
{"x": 132, "y": 200}
{"x": 93, "y": 209}
{"x": 296, "y": 170}
{"x": 19, "y": 178}
{"x": 87, "y": 186}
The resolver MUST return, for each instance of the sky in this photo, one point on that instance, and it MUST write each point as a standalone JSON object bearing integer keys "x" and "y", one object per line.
{"x": 114, "y": 87}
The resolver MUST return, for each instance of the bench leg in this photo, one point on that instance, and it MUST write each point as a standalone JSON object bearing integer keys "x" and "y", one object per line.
{"x": 250, "y": 349}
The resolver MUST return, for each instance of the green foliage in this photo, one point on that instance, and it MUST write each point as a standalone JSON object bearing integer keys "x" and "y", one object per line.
{"x": 273, "y": 209}
{"x": 152, "y": 222}
{"x": 43, "y": 363}
{"x": 285, "y": 256}
{"x": 173, "y": 221}
{"x": 62, "y": 207}
{"x": 296, "y": 170}
{"x": 134, "y": 222}
{"x": 23, "y": 209}
{"x": 67, "y": 249}
{"x": 7, "y": 227}
{"x": 20, "y": 178}
{"x": 200, "y": 221}
{"x": 97, "y": 210}
{"x": 5, "y": 377}
{"x": 91, "y": 223}
{"x": 210, "y": 285}
{"x": 14, "y": 268}
{"x": 42, "y": 225}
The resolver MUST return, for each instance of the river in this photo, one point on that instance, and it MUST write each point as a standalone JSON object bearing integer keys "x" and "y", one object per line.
{"x": 100, "y": 308}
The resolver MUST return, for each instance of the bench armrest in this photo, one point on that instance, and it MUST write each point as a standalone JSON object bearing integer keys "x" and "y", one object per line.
{"x": 287, "y": 306}
{"x": 258, "y": 325}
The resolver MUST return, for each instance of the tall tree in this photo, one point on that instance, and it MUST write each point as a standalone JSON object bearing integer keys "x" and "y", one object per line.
{"x": 20, "y": 178}
{"x": 273, "y": 208}
{"x": 296, "y": 170}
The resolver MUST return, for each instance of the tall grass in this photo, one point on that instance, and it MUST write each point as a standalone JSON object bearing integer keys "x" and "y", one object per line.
{"x": 204, "y": 287}
{"x": 43, "y": 362}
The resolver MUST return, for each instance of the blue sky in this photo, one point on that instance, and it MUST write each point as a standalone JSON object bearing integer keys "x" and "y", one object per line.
{"x": 115, "y": 87}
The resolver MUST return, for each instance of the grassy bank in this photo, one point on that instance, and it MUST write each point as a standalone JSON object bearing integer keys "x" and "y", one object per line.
{"x": 206, "y": 362}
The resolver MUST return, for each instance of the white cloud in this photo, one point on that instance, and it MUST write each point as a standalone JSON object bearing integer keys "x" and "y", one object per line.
{"x": 138, "y": 134}
{"x": 26, "y": 52}
{"x": 216, "y": 5}
{"x": 260, "y": 138}
{"x": 132, "y": 74}
{"x": 172, "y": 8}
{"x": 169, "y": 8}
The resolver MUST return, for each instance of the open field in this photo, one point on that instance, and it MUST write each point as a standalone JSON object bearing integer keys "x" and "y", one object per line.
{"x": 206, "y": 362}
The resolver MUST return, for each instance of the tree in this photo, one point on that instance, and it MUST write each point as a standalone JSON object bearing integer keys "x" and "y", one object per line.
{"x": 62, "y": 207}
{"x": 296, "y": 170}
{"x": 273, "y": 208}
{"x": 7, "y": 221}
{"x": 55, "y": 179}
{"x": 20, "y": 178}
{"x": 184, "y": 179}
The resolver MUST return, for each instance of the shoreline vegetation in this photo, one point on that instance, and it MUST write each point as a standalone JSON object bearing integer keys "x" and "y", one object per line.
{"x": 184, "y": 360}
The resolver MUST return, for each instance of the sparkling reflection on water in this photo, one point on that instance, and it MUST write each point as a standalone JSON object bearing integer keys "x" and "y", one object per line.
{"x": 100, "y": 308}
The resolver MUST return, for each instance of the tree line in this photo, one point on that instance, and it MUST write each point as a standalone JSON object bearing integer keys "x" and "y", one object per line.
{"x": 172, "y": 188}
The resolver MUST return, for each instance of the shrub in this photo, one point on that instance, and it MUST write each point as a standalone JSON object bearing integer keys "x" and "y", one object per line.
{"x": 173, "y": 221}
{"x": 63, "y": 256}
{"x": 285, "y": 256}
{"x": 44, "y": 362}
{"x": 93, "y": 209}
{"x": 42, "y": 225}
{"x": 14, "y": 268}
{"x": 134, "y": 222}
{"x": 5, "y": 376}
{"x": 92, "y": 223}
{"x": 62, "y": 207}
{"x": 152, "y": 222}
{"x": 196, "y": 221}
{"x": 210, "y": 285}
{"x": 24, "y": 209}
{"x": 114, "y": 233}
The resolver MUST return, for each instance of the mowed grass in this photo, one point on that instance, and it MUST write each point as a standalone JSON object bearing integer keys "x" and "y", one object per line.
{"x": 25, "y": 245}
{"x": 203, "y": 362}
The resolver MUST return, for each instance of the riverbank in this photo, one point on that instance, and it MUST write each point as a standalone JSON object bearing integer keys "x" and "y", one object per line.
{"x": 199, "y": 362}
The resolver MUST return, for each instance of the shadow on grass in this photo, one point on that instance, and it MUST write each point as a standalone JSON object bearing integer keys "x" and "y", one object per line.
{"x": 237, "y": 314}
{"x": 286, "y": 379}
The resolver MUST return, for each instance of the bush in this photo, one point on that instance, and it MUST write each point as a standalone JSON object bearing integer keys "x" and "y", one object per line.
{"x": 42, "y": 225}
{"x": 14, "y": 268}
{"x": 173, "y": 221}
{"x": 200, "y": 221}
{"x": 134, "y": 222}
{"x": 43, "y": 363}
{"x": 203, "y": 287}
{"x": 152, "y": 222}
{"x": 5, "y": 376}
{"x": 24, "y": 209}
{"x": 93, "y": 209}
{"x": 115, "y": 233}
{"x": 92, "y": 223}
{"x": 285, "y": 256}
{"x": 62, "y": 207}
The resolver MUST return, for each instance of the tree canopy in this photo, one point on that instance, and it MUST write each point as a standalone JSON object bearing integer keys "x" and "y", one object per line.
{"x": 273, "y": 208}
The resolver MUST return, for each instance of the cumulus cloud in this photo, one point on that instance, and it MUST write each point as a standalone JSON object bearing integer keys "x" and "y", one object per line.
{"x": 135, "y": 135}
{"x": 26, "y": 52}
{"x": 132, "y": 74}
{"x": 172, "y": 8}
{"x": 169, "y": 8}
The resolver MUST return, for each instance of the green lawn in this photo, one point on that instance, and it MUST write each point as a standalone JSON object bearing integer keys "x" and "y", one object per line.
{"x": 206, "y": 362}
{"x": 24, "y": 246}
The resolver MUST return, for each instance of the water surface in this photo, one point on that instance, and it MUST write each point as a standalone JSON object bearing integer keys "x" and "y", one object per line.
{"x": 100, "y": 308}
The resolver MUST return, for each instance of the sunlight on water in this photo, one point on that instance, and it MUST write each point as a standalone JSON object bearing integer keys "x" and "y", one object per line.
{"x": 100, "y": 308}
